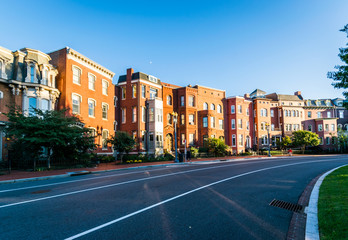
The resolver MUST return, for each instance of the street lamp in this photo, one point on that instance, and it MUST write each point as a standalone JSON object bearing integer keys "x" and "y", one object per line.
{"x": 269, "y": 146}
{"x": 175, "y": 120}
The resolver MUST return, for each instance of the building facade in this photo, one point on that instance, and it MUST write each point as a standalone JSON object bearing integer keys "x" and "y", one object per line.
{"x": 86, "y": 90}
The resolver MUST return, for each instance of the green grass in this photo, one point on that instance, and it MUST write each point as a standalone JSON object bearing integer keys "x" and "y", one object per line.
{"x": 333, "y": 206}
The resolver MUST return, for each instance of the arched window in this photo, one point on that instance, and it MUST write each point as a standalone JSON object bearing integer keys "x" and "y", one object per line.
{"x": 219, "y": 108}
{"x": 205, "y": 106}
{"x": 293, "y": 113}
{"x": 169, "y": 100}
{"x": 297, "y": 113}
{"x": 212, "y": 106}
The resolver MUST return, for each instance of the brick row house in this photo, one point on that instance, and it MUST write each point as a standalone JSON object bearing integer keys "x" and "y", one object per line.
{"x": 86, "y": 90}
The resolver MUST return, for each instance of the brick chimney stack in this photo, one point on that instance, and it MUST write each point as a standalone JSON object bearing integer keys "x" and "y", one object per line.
{"x": 130, "y": 72}
{"x": 247, "y": 95}
{"x": 298, "y": 93}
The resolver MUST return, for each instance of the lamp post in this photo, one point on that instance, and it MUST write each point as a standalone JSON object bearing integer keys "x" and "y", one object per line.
{"x": 268, "y": 137}
{"x": 175, "y": 120}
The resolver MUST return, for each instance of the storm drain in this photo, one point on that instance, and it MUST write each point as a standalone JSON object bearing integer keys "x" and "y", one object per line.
{"x": 286, "y": 205}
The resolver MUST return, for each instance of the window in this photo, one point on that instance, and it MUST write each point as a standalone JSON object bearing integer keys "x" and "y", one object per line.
{"x": 321, "y": 140}
{"x": 240, "y": 123}
{"x": 293, "y": 113}
{"x": 239, "y": 108}
{"x": 105, "y": 136}
{"x": 205, "y": 106}
{"x": 327, "y": 140}
{"x": 182, "y": 117}
{"x": 263, "y": 126}
{"x": 212, "y": 122}
{"x": 221, "y": 124}
{"x": 169, "y": 100}
{"x": 169, "y": 118}
{"x": 143, "y": 115}
{"x": 105, "y": 86}
{"x": 233, "y": 140}
{"x": 32, "y": 74}
{"x": 212, "y": 106}
{"x": 91, "y": 81}
{"x": 123, "y": 89}
{"x": 153, "y": 93}
{"x": 263, "y": 112}
{"x": 341, "y": 113}
{"x": 105, "y": 108}
{"x": 134, "y": 135}
{"x": 123, "y": 115}
{"x": 318, "y": 114}
{"x": 151, "y": 115}
{"x": 320, "y": 127}
{"x": 233, "y": 123}
{"x": 310, "y": 128}
{"x": 91, "y": 107}
{"x": 191, "y": 101}
{"x": 32, "y": 106}
{"x": 159, "y": 115}
{"x": 182, "y": 101}
{"x": 240, "y": 140}
{"x": 134, "y": 91}
{"x": 191, "y": 119}
{"x": 183, "y": 138}
{"x": 134, "y": 114}
{"x": 143, "y": 91}
{"x": 326, "y": 127}
{"x": 159, "y": 140}
{"x": 1, "y": 68}
{"x": 332, "y": 127}
{"x": 247, "y": 125}
{"x": 191, "y": 139}
{"x": 76, "y": 100}
{"x": 328, "y": 114}
{"x": 219, "y": 108}
{"x": 272, "y": 113}
{"x": 309, "y": 114}
{"x": 76, "y": 75}
{"x": 44, "y": 79}
{"x": 247, "y": 111}
{"x": 205, "y": 122}
{"x": 272, "y": 127}
{"x": 45, "y": 105}
{"x": 233, "y": 110}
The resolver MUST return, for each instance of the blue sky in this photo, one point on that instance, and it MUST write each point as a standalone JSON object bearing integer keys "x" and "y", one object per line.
{"x": 277, "y": 46}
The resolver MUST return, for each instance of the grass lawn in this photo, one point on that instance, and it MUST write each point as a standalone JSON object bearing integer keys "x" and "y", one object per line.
{"x": 333, "y": 205}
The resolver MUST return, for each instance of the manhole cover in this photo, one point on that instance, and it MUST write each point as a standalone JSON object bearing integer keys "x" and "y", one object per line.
{"x": 40, "y": 191}
{"x": 286, "y": 205}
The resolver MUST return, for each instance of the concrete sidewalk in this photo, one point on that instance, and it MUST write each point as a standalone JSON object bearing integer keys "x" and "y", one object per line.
{"x": 21, "y": 176}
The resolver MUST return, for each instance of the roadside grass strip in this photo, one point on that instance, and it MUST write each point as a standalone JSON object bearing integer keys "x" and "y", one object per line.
{"x": 333, "y": 205}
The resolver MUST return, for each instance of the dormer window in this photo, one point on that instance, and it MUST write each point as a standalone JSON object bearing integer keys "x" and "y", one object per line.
{"x": 32, "y": 74}
{"x": 44, "y": 79}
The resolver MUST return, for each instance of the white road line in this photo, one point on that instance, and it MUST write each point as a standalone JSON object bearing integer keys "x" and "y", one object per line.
{"x": 179, "y": 196}
{"x": 108, "y": 176}
{"x": 113, "y": 185}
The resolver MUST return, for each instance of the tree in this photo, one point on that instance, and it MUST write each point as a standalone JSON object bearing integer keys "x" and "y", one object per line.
{"x": 61, "y": 137}
{"x": 304, "y": 138}
{"x": 122, "y": 143}
{"x": 217, "y": 146}
{"x": 342, "y": 139}
{"x": 286, "y": 142}
{"x": 341, "y": 76}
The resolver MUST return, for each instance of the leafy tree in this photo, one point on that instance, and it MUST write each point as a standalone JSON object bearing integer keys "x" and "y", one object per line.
{"x": 286, "y": 142}
{"x": 217, "y": 146}
{"x": 341, "y": 76}
{"x": 304, "y": 138}
{"x": 122, "y": 143}
{"x": 342, "y": 139}
{"x": 62, "y": 137}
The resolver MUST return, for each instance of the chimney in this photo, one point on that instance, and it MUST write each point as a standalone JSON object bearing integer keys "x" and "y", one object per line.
{"x": 247, "y": 95}
{"x": 130, "y": 72}
{"x": 298, "y": 93}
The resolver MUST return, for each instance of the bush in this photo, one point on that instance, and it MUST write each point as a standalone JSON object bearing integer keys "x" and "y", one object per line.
{"x": 194, "y": 152}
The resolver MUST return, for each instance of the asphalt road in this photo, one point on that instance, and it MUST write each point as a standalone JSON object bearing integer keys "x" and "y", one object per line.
{"x": 222, "y": 200}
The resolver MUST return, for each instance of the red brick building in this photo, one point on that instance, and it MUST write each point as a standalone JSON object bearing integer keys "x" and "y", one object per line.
{"x": 86, "y": 90}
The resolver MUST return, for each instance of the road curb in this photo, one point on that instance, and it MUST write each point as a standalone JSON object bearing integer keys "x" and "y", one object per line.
{"x": 34, "y": 179}
{"x": 312, "y": 226}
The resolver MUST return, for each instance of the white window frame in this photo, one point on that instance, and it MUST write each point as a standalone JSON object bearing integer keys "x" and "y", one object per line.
{"x": 107, "y": 111}
{"x": 79, "y": 78}
{"x": 91, "y": 100}
{"x": 105, "y": 91}
{"x": 89, "y": 81}
{"x": 123, "y": 115}
{"x": 79, "y": 106}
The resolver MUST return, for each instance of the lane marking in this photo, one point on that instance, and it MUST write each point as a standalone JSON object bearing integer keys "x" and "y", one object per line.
{"x": 114, "y": 175}
{"x": 250, "y": 161}
{"x": 179, "y": 196}
{"x": 133, "y": 181}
